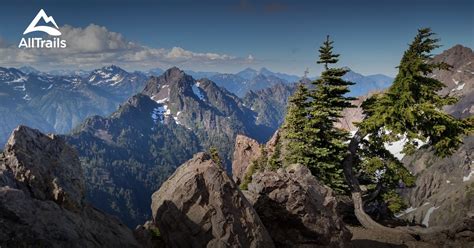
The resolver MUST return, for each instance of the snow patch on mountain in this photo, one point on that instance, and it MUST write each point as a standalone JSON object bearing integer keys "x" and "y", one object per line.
{"x": 396, "y": 147}
{"x": 468, "y": 177}
{"x": 92, "y": 78}
{"x": 158, "y": 114}
{"x": 115, "y": 79}
{"x": 460, "y": 87}
{"x": 20, "y": 88}
{"x": 426, "y": 220}
{"x": 21, "y": 79}
{"x": 198, "y": 91}
{"x": 159, "y": 98}
{"x": 48, "y": 88}
{"x": 406, "y": 211}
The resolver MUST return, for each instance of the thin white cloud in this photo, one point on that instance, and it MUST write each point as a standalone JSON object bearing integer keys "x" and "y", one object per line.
{"x": 94, "y": 46}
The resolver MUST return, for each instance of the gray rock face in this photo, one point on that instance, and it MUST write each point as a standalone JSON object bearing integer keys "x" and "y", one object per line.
{"x": 459, "y": 81}
{"x": 200, "y": 206}
{"x": 444, "y": 190}
{"x": 42, "y": 198}
{"x": 296, "y": 209}
{"x": 351, "y": 115}
{"x": 246, "y": 150}
{"x": 45, "y": 167}
{"x": 444, "y": 187}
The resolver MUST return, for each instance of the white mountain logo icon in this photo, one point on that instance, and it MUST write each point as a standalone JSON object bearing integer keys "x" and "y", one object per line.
{"x": 47, "y": 29}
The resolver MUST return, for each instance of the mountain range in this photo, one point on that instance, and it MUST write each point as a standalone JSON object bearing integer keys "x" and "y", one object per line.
{"x": 128, "y": 154}
{"x": 133, "y": 129}
{"x": 59, "y": 100}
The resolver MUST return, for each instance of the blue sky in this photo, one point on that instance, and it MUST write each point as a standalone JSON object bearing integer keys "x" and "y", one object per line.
{"x": 231, "y": 35}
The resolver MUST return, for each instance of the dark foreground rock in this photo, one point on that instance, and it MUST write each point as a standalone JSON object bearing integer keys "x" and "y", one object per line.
{"x": 296, "y": 209}
{"x": 200, "y": 206}
{"x": 42, "y": 201}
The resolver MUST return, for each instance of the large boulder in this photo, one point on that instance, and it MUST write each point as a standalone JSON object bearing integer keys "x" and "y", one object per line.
{"x": 42, "y": 198}
{"x": 200, "y": 206}
{"x": 45, "y": 167}
{"x": 296, "y": 209}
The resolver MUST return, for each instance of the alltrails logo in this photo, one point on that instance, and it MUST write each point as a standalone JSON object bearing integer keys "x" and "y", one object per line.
{"x": 39, "y": 42}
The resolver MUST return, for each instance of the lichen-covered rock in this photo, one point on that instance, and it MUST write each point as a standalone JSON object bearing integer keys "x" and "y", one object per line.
{"x": 296, "y": 209}
{"x": 42, "y": 198}
{"x": 200, "y": 206}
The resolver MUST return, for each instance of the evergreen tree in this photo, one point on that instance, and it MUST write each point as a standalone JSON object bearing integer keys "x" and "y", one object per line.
{"x": 410, "y": 109}
{"x": 215, "y": 156}
{"x": 294, "y": 127}
{"x": 327, "y": 144}
{"x": 275, "y": 160}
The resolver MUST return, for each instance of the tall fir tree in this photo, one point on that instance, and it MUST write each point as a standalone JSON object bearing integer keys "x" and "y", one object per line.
{"x": 294, "y": 127}
{"x": 327, "y": 144}
{"x": 309, "y": 133}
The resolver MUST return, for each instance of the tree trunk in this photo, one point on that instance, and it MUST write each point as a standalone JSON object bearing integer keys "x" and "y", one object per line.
{"x": 374, "y": 194}
{"x": 356, "y": 193}
{"x": 364, "y": 219}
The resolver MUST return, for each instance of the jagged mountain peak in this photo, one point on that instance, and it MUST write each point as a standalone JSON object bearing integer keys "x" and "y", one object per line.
{"x": 459, "y": 48}
{"x": 7, "y": 73}
{"x": 29, "y": 70}
{"x": 173, "y": 71}
{"x": 456, "y": 56}
{"x": 248, "y": 69}
{"x": 24, "y": 133}
{"x": 114, "y": 79}
{"x": 248, "y": 73}
{"x": 107, "y": 72}
{"x": 114, "y": 68}
{"x": 172, "y": 80}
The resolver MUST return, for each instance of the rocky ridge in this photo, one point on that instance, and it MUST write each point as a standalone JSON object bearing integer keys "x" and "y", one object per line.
{"x": 42, "y": 197}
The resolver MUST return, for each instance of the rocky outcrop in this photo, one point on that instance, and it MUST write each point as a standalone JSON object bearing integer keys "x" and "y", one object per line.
{"x": 296, "y": 209}
{"x": 246, "y": 150}
{"x": 62, "y": 180}
{"x": 352, "y": 115}
{"x": 444, "y": 187}
{"x": 200, "y": 206}
{"x": 459, "y": 80}
{"x": 42, "y": 197}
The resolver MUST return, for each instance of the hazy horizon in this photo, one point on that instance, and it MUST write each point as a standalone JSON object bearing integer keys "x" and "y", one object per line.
{"x": 229, "y": 36}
